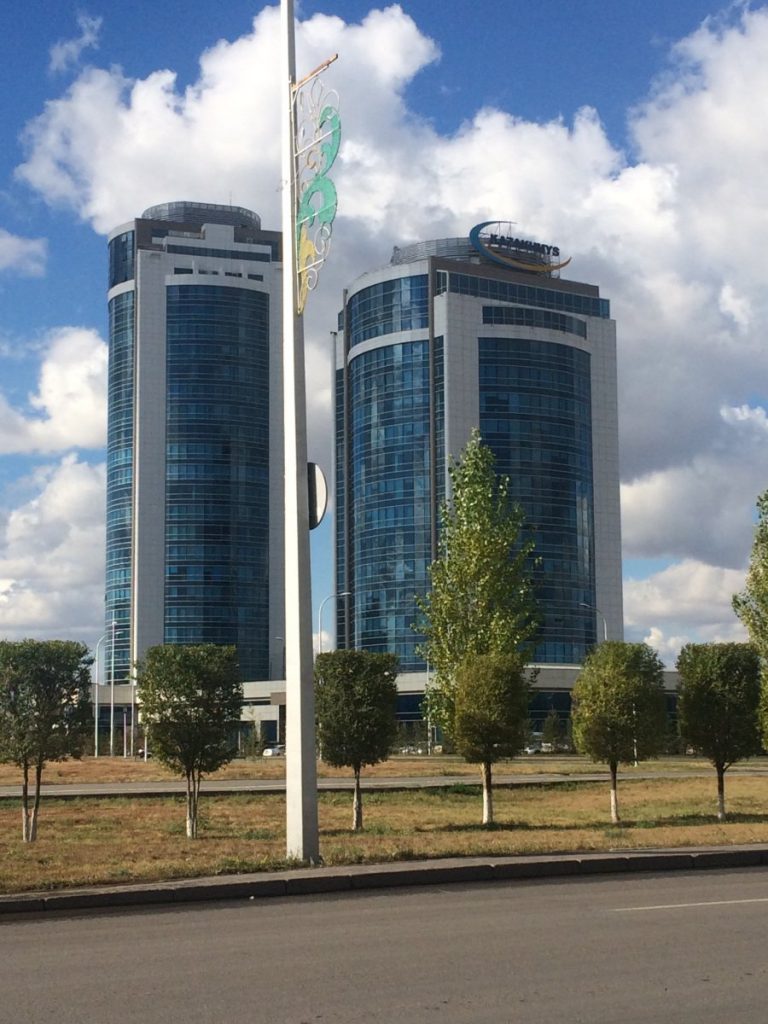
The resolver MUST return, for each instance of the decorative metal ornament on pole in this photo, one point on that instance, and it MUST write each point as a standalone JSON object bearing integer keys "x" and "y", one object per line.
{"x": 308, "y": 209}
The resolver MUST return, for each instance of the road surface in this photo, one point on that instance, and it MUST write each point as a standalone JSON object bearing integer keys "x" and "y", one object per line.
{"x": 679, "y": 948}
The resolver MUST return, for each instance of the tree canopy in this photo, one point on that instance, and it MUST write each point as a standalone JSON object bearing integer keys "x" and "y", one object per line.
{"x": 481, "y": 595}
{"x": 190, "y": 699}
{"x": 355, "y": 703}
{"x": 491, "y": 713}
{"x": 751, "y": 605}
{"x": 718, "y": 705}
{"x": 45, "y": 710}
{"x": 619, "y": 713}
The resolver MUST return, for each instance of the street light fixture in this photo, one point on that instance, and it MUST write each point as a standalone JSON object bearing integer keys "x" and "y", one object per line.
{"x": 344, "y": 593}
{"x": 593, "y": 608}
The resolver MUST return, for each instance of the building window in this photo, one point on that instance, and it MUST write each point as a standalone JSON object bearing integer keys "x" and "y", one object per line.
{"x": 520, "y": 316}
{"x": 217, "y": 470}
{"x": 390, "y": 499}
{"x": 400, "y": 304}
{"x": 529, "y": 295}
{"x": 536, "y": 416}
{"x": 121, "y": 259}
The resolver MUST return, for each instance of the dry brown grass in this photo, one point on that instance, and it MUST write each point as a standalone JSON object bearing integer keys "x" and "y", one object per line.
{"x": 84, "y": 842}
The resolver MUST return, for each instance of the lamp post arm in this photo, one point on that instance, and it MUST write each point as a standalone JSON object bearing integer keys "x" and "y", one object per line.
{"x": 330, "y": 597}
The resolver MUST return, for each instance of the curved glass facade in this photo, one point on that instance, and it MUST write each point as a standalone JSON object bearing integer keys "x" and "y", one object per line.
{"x": 390, "y": 497}
{"x": 217, "y": 471}
{"x": 122, "y": 258}
{"x": 120, "y": 476}
{"x": 400, "y": 304}
{"x": 536, "y": 416}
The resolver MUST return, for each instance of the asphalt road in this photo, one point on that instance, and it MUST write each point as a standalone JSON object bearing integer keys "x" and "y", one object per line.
{"x": 679, "y": 948}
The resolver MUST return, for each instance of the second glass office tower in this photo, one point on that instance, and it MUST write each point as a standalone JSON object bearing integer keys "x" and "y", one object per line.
{"x": 442, "y": 340}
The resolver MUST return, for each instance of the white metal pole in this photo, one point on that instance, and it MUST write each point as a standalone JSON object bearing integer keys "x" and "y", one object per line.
{"x": 133, "y": 712}
{"x": 302, "y": 840}
{"x": 112, "y": 693}
{"x": 99, "y": 642}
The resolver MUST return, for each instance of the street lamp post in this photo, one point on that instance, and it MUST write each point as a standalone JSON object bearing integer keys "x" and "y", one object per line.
{"x": 345, "y": 593}
{"x": 310, "y": 144}
{"x": 99, "y": 642}
{"x": 112, "y": 691}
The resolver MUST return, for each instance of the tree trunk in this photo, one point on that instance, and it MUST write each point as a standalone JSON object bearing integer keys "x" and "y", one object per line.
{"x": 193, "y": 792}
{"x": 487, "y": 794}
{"x": 614, "y": 793}
{"x": 25, "y": 803}
{"x": 357, "y": 805}
{"x": 36, "y": 803}
{"x": 720, "y": 792}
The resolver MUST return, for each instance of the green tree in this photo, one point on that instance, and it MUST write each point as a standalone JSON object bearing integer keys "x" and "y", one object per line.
{"x": 491, "y": 714}
{"x": 619, "y": 713}
{"x": 718, "y": 705}
{"x": 190, "y": 699}
{"x": 481, "y": 595}
{"x": 45, "y": 711}
{"x": 751, "y": 605}
{"x": 355, "y": 703}
{"x": 552, "y": 733}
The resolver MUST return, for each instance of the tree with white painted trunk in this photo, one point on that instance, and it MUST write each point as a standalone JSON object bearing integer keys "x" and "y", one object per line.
{"x": 190, "y": 700}
{"x": 492, "y": 694}
{"x": 619, "y": 711}
{"x": 718, "y": 705}
{"x": 356, "y": 704}
{"x": 45, "y": 711}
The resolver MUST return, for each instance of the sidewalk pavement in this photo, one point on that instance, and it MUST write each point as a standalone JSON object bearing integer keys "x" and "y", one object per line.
{"x": 359, "y": 877}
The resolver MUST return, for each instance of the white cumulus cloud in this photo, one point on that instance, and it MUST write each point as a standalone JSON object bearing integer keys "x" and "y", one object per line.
{"x": 689, "y": 601}
{"x": 52, "y": 555}
{"x": 66, "y": 53}
{"x": 68, "y": 410}
{"x": 671, "y": 229}
{"x": 26, "y": 256}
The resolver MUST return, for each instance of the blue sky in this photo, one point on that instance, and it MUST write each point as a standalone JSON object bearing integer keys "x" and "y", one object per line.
{"x": 630, "y": 135}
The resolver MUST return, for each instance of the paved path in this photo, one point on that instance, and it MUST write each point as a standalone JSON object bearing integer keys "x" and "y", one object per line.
{"x": 172, "y": 787}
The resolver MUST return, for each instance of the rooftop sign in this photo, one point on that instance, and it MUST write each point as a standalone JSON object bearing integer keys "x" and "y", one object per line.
{"x": 501, "y": 247}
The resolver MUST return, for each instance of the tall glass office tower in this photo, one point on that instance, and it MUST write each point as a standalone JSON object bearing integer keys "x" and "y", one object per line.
{"x": 462, "y": 333}
{"x": 194, "y": 531}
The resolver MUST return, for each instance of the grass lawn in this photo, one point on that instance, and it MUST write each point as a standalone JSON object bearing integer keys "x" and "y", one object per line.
{"x": 90, "y": 841}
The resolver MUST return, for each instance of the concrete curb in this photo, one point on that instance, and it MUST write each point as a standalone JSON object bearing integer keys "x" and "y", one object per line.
{"x": 357, "y": 878}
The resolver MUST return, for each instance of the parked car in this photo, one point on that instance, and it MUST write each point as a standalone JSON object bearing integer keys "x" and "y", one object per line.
{"x": 276, "y": 750}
